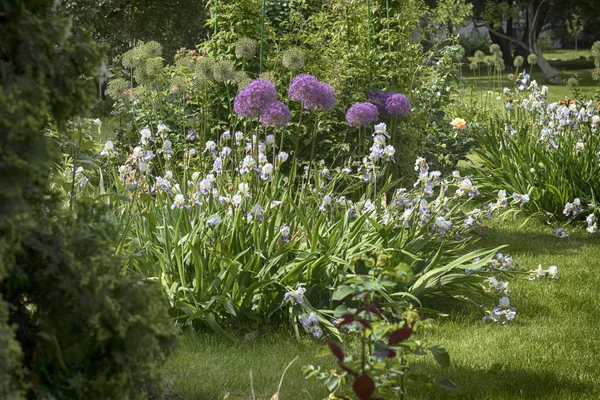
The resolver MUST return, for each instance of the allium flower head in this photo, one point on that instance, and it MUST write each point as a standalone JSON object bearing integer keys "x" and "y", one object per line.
{"x": 362, "y": 114}
{"x": 293, "y": 59}
{"x": 397, "y": 104}
{"x": 518, "y": 61}
{"x": 313, "y": 94}
{"x": 255, "y": 98}
{"x": 277, "y": 114}
{"x": 245, "y": 48}
{"x": 532, "y": 59}
{"x": 379, "y": 98}
{"x": 495, "y": 48}
{"x": 224, "y": 70}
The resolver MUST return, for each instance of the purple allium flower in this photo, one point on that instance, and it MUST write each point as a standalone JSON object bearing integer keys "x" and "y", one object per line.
{"x": 325, "y": 99}
{"x": 379, "y": 98}
{"x": 277, "y": 114}
{"x": 301, "y": 87}
{"x": 362, "y": 114}
{"x": 397, "y": 104}
{"x": 313, "y": 94}
{"x": 255, "y": 98}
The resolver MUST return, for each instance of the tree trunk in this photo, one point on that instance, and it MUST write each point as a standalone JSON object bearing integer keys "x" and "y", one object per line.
{"x": 536, "y": 14}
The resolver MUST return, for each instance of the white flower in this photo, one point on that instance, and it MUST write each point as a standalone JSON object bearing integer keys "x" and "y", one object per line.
{"x": 162, "y": 129}
{"x": 553, "y": 271}
{"x": 98, "y": 122}
{"x": 179, "y": 201}
{"x": 108, "y": 148}
{"x": 143, "y": 166}
{"x": 214, "y": 221}
{"x": 381, "y": 128}
{"x": 504, "y": 302}
{"x": 137, "y": 152}
{"x": 270, "y": 139}
{"x": 210, "y": 146}
{"x": 244, "y": 189}
{"x": 146, "y": 135}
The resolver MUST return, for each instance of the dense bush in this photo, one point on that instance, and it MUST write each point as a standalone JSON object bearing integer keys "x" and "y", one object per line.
{"x": 70, "y": 325}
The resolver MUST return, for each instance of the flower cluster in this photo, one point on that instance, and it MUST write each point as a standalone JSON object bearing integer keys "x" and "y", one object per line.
{"x": 362, "y": 114}
{"x": 255, "y": 98}
{"x": 503, "y": 313}
{"x": 313, "y": 95}
{"x": 379, "y": 150}
{"x": 539, "y": 272}
{"x": 390, "y": 103}
{"x": 310, "y": 322}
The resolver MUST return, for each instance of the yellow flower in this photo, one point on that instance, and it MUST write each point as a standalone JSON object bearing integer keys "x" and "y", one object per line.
{"x": 459, "y": 123}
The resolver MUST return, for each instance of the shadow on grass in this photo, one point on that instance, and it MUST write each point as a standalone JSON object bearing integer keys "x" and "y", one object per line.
{"x": 535, "y": 238}
{"x": 506, "y": 383}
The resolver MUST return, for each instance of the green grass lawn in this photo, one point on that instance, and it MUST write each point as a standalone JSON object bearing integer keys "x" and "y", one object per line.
{"x": 566, "y": 54}
{"x": 551, "y": 351}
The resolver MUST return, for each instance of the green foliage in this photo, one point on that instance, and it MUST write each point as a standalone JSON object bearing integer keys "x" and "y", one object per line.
{"x": 70, "y": 325}
{"x": 385, "y": 371}
{"x": 121, "y": 23}
{"x": 522, "y": 148}
{"x": 100, "y": 334}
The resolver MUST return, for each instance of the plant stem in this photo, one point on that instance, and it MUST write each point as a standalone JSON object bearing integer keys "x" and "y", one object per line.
{"x": 314, "y": 138}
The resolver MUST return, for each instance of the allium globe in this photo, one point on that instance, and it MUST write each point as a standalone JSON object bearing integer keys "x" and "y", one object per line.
{"x": 397, "y": 104}
{"x": 313, "y": 94}
{"x": 362, "y": 114}
{"x": 379, "y": 98}
{"x": 255, "y": 98}
{"x": 277, "y": 114}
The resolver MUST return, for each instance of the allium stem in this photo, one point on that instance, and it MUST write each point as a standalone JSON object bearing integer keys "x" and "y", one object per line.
{"x": 295, "y": 165}
{"x": 314, "y": 138}
{"x": 257, "y": 138}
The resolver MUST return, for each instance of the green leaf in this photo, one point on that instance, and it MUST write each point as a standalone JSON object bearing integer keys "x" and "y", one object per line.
{"x": 441, "y": 355}
{"x": 446, "y": 384}
{"x": 342, "y": 292}
{"x": 496, "y": 367}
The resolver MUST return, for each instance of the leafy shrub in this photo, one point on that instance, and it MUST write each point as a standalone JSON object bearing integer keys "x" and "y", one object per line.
{"x": 381, "y": 365}
{"x": 100, "y": 334}
{"x": 71, "y": 326}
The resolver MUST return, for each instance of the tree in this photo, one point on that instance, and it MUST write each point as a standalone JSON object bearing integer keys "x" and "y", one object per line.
{"x": 71, "y": 326}
{"x": 120, "y": 23}
{"x": 575, "y": 26}
{"x": 496, "y": 16}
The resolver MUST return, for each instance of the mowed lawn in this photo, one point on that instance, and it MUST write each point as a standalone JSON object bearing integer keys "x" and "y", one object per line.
{"x": 551, "y": 351}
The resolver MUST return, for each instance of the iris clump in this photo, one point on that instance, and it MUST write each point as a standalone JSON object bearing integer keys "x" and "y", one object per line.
{"x": 255, "y": 98}
{"x": 313, "y": 94}
{"x": 277, "y": 114}
{"x": 397, "y": 104}
{"x": 362, "y": 114}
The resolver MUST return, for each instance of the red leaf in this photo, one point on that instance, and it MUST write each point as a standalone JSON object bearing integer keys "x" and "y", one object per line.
{"x": 337, "y": 351}
{"x": 391, "y": 354}
{"x": 399, "y": 335}
{"x": 348, "y": 370}
{"x": 365, "y": 323}
{"x": 364, "y": 387}
{"x": 347, "y": 319}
